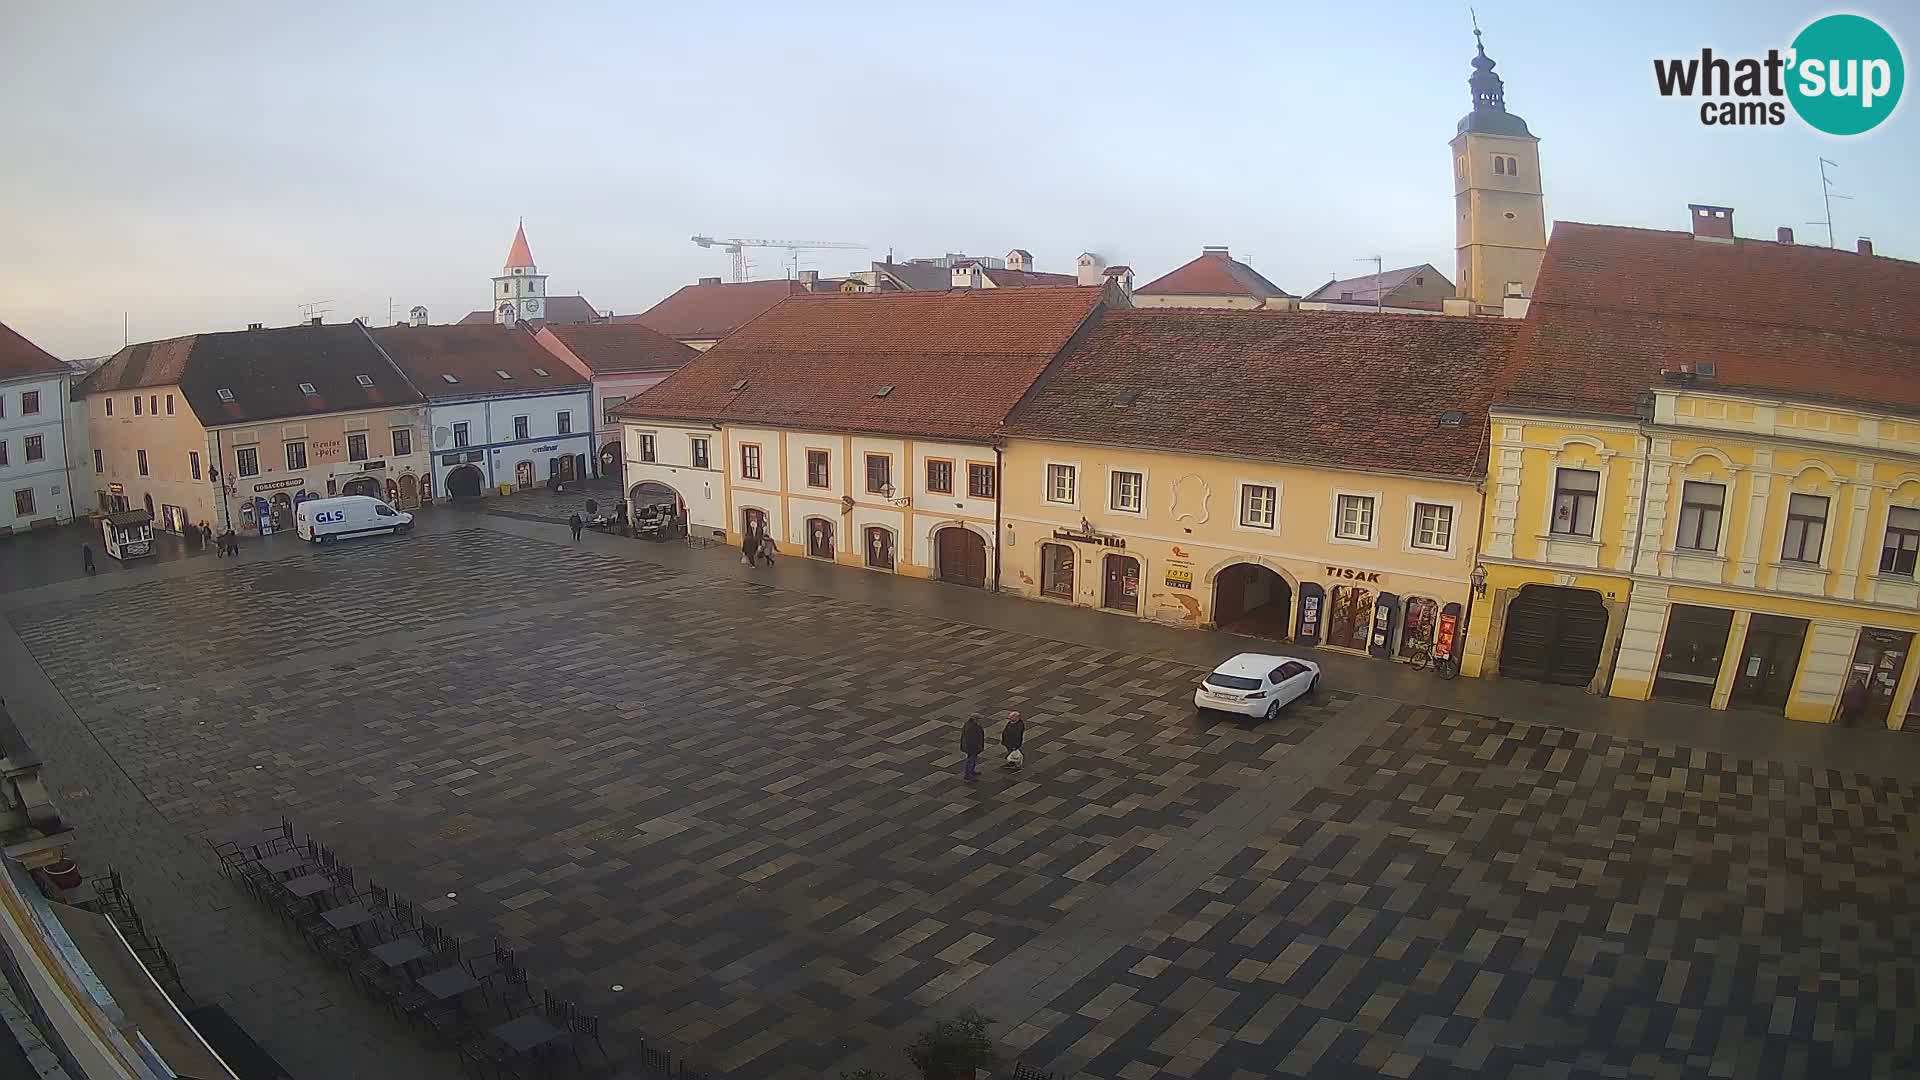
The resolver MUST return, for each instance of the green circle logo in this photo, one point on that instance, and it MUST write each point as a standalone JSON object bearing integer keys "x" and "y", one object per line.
{"x": 1847, "y": 74}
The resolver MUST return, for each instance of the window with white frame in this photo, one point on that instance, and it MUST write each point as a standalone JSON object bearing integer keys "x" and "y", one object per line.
{"x": 1806, "y": 529}
{"x": 1353, "y": 517}
{"x": 1127, "y": 491}
{"x": 296, "y": 455}
{"x": 646, "y": 447}
{"x": 1062, "y": 484}
{"x": 1259, "y": 505}
{"x": 566, "y": 422}
{"x": 1701, "y": 506}
{"x": 521, "y": 426}
{"x": 1898, "y": 552}
{"x": 1432, "y": 526}
{"x": 699, "y": 451}
{"x": 357, "y": 446}
{"x": 460, "y": 434}
{"x": 402, "y": 441}
{"x": 1576, "y": 498}
{"x": 749, "y": 461}
{"x": 36, "y": 447}
{"x": 247, "y": 460}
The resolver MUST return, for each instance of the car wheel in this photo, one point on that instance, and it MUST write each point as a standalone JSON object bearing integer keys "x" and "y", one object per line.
{"x": 1273, "y": 710}
{"x": 1313, "y": 688}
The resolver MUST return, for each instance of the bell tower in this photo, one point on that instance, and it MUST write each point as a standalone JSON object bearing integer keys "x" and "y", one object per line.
{"x": 1499, "y": 205}
{"x": 520, "y": 292}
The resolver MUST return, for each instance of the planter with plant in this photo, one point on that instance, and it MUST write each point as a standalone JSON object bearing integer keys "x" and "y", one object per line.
{"x": 956, "y": 1049}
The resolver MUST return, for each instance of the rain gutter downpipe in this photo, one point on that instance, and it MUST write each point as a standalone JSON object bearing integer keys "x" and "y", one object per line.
{"x": 999, "y": 485}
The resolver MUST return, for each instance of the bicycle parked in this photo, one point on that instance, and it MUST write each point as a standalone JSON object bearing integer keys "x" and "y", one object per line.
{"x": 1444, "y": 666}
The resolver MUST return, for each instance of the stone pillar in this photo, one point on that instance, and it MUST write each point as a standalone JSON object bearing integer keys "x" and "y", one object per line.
{"x": 1730, "y": 660}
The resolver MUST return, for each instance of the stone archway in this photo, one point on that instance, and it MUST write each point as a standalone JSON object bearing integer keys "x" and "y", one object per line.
{"x": 1249, "y": 598}
{"x": 465, "y": 482}
{"x": 361, "y": 485}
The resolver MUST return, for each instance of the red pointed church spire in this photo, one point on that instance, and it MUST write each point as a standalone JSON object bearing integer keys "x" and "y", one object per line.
{"x": 520, "y": 255}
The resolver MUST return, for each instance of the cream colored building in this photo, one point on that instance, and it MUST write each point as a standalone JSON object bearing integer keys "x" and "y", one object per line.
{"x": 1499, "y": 203}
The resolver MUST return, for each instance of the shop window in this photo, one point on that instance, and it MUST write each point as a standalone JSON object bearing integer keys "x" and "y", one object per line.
{"x": 140, "y": 459}
{"x": 402, "y": 441}
{"x": 296, "y": 456}
{"x": 1576, "y": 498}
{"x": 939, "y": 476}
{"x": 749, "y": 462}
{"x": 1701, "y": 507}
{"x": 880, "y": 475}
{"x": 1806, "y": 529}
{"x": 1259, "y": 505}
{"x": 980, "y": 481}
{"x": 1897, "y": 554}
{"x": 1056, "y": 571}
{"x": 461, "y": 436}
{"x": 1128, "y": 492}
{"x": 1062, "y": 484}
{"x": 1353, "y": 517}
{"x": 819, "y": 469}
{"x": 36, "y": 448}
{"x": 193, "y": 463}
{"x": 1432, "y": 526}
{"x": 247, "y": 460}
{"x": 646, "y": 448}
{"x": 700, "y": 460}
{"x": 357, "y": 446}
{"x": 1690, "y": 657}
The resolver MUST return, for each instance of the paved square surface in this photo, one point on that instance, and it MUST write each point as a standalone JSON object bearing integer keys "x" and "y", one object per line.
{"x": 741, "y": 804}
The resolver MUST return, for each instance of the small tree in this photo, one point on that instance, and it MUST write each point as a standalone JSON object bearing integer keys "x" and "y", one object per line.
{"x": 954, "y": 1049}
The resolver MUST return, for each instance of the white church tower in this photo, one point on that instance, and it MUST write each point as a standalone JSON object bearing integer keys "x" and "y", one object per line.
{"x": 520, "y": 292}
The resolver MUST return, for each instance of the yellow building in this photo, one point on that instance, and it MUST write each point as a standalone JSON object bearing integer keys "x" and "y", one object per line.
{"x": 1309, "y": 476}
{"x": 1705, "y": 477}
{"x": 855, "y": 428}
{"x": 1499, "y": 204}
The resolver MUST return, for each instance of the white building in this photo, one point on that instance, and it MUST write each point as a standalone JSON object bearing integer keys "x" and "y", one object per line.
{"x": 501, "y": 409}
{"x": 622, "y": 359}
{"x": 34, "y": 490}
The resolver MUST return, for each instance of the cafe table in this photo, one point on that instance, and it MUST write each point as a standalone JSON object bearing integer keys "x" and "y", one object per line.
{"x": 450, "y": 983}
{"x": 283, "y": 862}
{"x": 523, "y": 1033}
{"x": 400, "y": 951}
{"x": 348, "y": 917}
{"x": 306, "y": 886}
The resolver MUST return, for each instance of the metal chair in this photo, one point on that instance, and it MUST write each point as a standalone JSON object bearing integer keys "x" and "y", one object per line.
{"x": 583, "y": 1026}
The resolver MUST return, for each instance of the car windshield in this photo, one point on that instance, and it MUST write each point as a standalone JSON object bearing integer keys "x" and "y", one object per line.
{"x": 1233, "y": 682}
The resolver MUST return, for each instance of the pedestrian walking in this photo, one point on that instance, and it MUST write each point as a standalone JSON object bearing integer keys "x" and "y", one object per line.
{"x": 1013, "y": 737}
{"x": 86, "y": 558}
{"x": 973, "y": 742}
{"x": 574, "y": 524}
{"x": 750, "y": 547}
{"x": 206, "y": 536}
{"x": 767, "y": 549}
{"x": 232, "y": 540}
{"x": 1853, "y": 702}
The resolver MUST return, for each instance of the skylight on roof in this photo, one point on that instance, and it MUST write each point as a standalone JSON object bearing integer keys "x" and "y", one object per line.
{"x": 307, "y": 389}
{"x": 884, "y": 391}
{"x": 540, "y": 371}
{"x": 739, "y": 386}
{"x": 1452, "y": 418}
{"x": 226, "y": 394}
{"x": 450, "y": 378}
{"x": 364, "y": 380}
{"x": 502, "y": 372}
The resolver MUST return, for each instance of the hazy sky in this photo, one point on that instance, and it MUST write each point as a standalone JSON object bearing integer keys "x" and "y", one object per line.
{"x": 202, "y": 166}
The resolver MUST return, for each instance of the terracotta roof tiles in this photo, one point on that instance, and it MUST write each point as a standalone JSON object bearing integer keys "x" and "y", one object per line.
{"x": 713, "y": 310}
{"x": 1214, "y": 273}
{"x": 18, "y": 357}
{"x": 616, "y": 347}
{"x": 474, "y": 355}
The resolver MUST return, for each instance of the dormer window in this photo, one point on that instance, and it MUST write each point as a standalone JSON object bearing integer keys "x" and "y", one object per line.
{"x": 363, "y": 380}
{"x": 225, "y": 394}
{"x": 307, "y": 389}
{"x": 451, "y": 379}
{"x": 502, "y": 372}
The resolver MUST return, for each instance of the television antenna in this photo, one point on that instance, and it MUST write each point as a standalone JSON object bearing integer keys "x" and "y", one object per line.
{"x": 1377, "y": 271}
{"x": 313, "y": 308}
{"x": 1827, "y": 195}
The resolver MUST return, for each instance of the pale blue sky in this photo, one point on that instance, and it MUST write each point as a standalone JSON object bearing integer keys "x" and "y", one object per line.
{"x": 201, "y": 167}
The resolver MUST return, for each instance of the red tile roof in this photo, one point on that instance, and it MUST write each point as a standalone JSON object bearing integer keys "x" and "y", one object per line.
{"x": 520, "y": 255}
{"x": 1214, "y": 273}
{"x": 474, "y": 355}
{"x": 1613, "y": 306}
{"x": 18, "y": 357}
{"x": 956, "y": 362}
{"x": 1349, "y": 390}
{"x": 1365, "y": 287}
{"x": 610, "y": 348}
{"x": 1028, "y": 279}
{"x": 712, "y": 311}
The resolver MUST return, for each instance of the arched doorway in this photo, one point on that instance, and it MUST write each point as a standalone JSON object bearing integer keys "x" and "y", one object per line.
{"x": 961, "y": 555}
{"x": 1253, "y": 599}
{"x": 879, "y": 548}
{"x": 409, "y": 492}
{"x": 523, "y": 475}
{"x": 1122, "y": 583}
{"x": 1554, "y": 635}
{"x": 361, "y": 485}
{"x": 1349, "y": 617}
{"x": 465, "y": 482}
{"x": 1056, "y": 571}
{"x": 820, "y": 538}
{"x": 753, "y": 521}
{"x": 282, "y": 511}
{"x": 610, "y": 463}
{"x": 1417, "y": 626}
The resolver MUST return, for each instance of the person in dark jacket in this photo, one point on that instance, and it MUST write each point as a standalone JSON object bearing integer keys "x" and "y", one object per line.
{"x": 1013, "y": 737}
{"x": 86, "y": 557}
{"x": 750, "y": 546}
{"x": 973, "y": 741}
{"x": 1853, "y": 702}
{"x": 575, "y": 524}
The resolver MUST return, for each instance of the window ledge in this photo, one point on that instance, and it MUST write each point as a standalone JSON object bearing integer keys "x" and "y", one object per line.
{"x": 1568, "y": 538}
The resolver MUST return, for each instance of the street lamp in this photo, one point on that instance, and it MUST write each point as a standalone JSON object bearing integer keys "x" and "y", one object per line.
{"x": 1479, "y": 580}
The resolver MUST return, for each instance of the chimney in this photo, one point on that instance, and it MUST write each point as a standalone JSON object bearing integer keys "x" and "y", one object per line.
{"x": 315, "y": 321}
{"x": 1864, "y": 246}
{"x": 709, "y": 281}
{"x": 1786, "y": 235}
{"x": 1089, "y": 269}
{"x": 1220, "y": 251}
{"x": 1712, "y": 223}
{"x": 809, "y": 278}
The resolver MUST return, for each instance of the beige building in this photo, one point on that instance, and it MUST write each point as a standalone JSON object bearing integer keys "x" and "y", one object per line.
{"x": 1213, "y": 280}
{"x": 234, "y": 429}
{"x": 1499, "y": 204}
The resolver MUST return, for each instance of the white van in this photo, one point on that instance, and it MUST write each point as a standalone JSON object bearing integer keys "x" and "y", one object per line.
{"x": 322, "y": 521}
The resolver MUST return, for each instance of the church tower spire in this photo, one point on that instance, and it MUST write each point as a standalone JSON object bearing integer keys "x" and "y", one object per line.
{"x": 1499, "y": 204}
{"x": 520, "y": 292}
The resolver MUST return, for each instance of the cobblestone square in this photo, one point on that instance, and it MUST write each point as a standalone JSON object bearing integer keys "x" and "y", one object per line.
{"x": 741, "y": 803}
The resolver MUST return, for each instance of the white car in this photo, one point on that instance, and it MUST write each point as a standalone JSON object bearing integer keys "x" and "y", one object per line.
{"x": 1256, "y": 684}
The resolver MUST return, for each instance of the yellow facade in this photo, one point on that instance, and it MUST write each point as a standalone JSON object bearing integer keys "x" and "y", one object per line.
{"x": 1207, "y": 540}
{"x": 1714, "y": 591}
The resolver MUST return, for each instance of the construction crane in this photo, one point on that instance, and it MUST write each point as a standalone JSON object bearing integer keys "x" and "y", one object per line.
{"x": 737, "y": 248}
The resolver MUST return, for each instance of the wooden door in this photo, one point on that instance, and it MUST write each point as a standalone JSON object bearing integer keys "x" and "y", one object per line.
{"x": 1122, "y": 592}
{"x": 963, "y": 557}
{"x": 879, "y": 548}
{"x": 820, "y": 538}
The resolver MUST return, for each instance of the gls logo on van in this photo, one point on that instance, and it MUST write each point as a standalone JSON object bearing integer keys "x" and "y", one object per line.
{"x": 1843, "y": 75}
{"x": 328, "y": 517}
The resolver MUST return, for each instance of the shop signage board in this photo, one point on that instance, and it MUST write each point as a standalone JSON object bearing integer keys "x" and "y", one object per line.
{"x": 1179, "y": 577}
{"x": 1444, "y": 636}
{"x": 1090, "y": 538}
{"x": 1347, "y": 573}
{"x": 276, "y": 485}
{"x": 116, "y": 489}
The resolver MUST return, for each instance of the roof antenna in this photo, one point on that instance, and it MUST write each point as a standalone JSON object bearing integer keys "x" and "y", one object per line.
{"x": 1377, "y": 272}
{"x": 1827, "y": 195}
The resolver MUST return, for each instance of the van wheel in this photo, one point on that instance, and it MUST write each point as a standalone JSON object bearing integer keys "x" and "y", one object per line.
{"x": 404, "y": 529}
